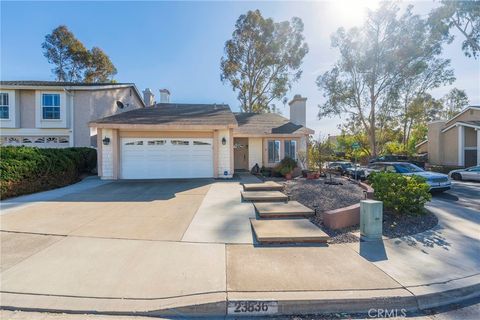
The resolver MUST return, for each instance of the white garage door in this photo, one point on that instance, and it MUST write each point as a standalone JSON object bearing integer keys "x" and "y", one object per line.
{"x": 163, "y": 158}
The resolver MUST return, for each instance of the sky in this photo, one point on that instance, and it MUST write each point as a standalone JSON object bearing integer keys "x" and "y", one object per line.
{"x": 178, "y": 45}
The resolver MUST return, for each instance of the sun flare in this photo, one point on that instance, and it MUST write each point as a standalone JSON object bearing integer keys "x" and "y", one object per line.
{"x": 353, "y": 10}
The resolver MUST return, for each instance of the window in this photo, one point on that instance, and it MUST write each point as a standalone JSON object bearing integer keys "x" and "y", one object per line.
{"x": 51, "y": 106}
{"x": 291, "y": 149}
{"x": 273, "y": 151}
{"x": 156, "y": 142}
{"x": 180, "y": 142}
{"x": 4, "y": 111}
{"x": 200, "y": 143}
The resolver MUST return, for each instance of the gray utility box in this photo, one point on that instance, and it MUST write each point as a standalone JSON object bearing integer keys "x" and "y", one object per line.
{"x": 371, "y": 218}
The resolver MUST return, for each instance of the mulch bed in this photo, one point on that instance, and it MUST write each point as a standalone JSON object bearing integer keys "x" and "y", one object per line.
{"x": 321, "y": 197}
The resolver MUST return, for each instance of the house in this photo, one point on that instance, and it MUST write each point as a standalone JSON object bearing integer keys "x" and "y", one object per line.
{"x": 56, "y": 114}
{"x": 169, "y": 140}
{"x": 454, "y": 142}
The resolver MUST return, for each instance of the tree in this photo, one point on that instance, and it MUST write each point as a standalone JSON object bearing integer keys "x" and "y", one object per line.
{"x": 463, "y": 16}
{"x": 263, "y": 59}
{"x": 376, "y": 60}
{"x": 454, "y": 102}
{"x": 99, "y": 68}
{"x": 67, "y": 53}
{"x": 73, "y": 62}
{"x": 423, "y": 109}
{"x": 428, "y": 74}
{"x": 320, "y": 152}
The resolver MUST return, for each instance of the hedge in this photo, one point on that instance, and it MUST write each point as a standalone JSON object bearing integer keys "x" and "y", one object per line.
{"x": 26, "y": 170}
{"x": 403, "y": 194}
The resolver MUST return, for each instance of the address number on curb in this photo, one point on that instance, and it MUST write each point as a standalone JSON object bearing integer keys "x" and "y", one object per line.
{"x": 252, "y": 307}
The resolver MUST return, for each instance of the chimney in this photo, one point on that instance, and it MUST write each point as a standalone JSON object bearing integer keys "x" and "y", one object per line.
{"x": 298, "y": 110}
{"x": 164, "y": 96}
{"x": 148, "y": 97}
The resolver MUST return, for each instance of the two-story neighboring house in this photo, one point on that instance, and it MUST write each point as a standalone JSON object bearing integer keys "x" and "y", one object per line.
{"x": 56, "y": 114}
{"x": 454, "y": 142}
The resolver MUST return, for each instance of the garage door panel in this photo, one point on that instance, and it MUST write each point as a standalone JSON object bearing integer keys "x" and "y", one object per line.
{"x": 162, "y": 158}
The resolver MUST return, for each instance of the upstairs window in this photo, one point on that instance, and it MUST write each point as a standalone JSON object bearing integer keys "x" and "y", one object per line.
{"x": 273, "y": 151}
{"x": 291, "y": 149}
{"x": 51, "y": 106}
{"x": 4, "y": 106}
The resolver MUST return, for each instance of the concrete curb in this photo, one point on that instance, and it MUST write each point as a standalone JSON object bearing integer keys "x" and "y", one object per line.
{"x": 410, "y": 299}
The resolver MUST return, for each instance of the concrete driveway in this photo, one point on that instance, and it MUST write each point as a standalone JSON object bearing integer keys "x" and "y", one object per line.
{"x": 148, "y": 210}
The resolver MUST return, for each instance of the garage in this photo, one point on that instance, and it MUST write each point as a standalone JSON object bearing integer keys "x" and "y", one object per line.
{"x": 166, "y": 158}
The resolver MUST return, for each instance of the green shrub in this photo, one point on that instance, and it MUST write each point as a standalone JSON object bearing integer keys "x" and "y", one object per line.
{"x": 401, "y": 193}
{"x": 286, "y": 166}
{"x": 26, "y": 170}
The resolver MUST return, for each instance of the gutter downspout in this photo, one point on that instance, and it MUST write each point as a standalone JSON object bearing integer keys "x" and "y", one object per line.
{"x": 72, "y": 118}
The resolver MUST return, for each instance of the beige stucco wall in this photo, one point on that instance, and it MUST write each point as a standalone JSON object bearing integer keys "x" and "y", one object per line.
{"x": 449, "y": 147}
{"x": 27, "y": 108}
{"x": 435, "y": 142}
{"x": 255, "y": 152}
{"x": 92, "y": 105}
{"x": 282, "y": 149}
{"x": 470, "y": 137}
{"x": 423, "y": 148}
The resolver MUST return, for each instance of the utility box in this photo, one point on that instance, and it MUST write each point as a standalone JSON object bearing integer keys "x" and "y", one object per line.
{"x": 371, "y": 220}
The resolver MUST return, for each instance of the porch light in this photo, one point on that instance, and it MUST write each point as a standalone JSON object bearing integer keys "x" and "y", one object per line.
{"x": 106, "y": 141}
{"x": 224, "y": 141}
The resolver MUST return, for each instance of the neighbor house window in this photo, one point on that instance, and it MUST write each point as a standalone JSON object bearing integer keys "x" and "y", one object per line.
{"x": 291, "y": 149}
{"x": 4, "y": 107}
{"x": 273, "y": 151}
{"x": 51, "y": 106}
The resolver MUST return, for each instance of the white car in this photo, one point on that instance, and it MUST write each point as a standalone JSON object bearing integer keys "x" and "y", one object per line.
{"x": 472, "y": 173}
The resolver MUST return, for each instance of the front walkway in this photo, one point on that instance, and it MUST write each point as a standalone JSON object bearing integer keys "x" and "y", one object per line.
{"x": 61, "y": 254}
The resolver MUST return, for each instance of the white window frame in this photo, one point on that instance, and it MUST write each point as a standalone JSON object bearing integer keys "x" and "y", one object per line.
{"x": 12, "y": 121}
{"x": 292, "y": 143}
{"x": 276, "y": 151}
{"x": 6, "y": 105}
{"x": 40, "y": 122}
{"x": 59, "y": 106}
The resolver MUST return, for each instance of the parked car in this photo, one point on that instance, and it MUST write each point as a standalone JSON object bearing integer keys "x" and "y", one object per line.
{"x": 472, "y": 173}
{"x": 356, "y": 172}
{"x": 438, "y": 182}
{"x": 340, "y": 166}
{"x": 399, "y": 158}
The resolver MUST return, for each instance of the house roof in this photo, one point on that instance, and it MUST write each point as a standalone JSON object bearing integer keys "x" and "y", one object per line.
{"x": 470, "y": 124}
{"x": 60, "y": 85}
{"x": 173, "y": 114}
{"x": 421, "y": 143}
{"x": 267, "y": 124}
{"x": 462, "y": 112}
{"x": 41, "y": 83}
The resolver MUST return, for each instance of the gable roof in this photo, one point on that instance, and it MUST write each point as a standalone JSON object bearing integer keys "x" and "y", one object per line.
{"x": 470, "y": 124}
{"x": 267, "y": 124}
{"x": 172, "y": 114}
{"x": 447, "y": 123}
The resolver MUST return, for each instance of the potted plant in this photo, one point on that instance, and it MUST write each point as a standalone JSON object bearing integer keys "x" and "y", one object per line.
{"x": 286, "y": 166}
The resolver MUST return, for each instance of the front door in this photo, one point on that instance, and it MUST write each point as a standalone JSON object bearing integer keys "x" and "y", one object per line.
{"x": 240, "y": 154}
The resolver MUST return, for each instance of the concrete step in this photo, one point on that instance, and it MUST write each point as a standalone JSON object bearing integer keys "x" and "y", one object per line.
{"x": 282, "y": 209}
{"x": 269, "y": 196}
{"x": 287, "y": 231}
{"x": 265, "y": 186}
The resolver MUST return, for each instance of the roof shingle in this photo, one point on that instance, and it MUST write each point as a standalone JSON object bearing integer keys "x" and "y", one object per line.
{"x": 175, "y": 114}
{"x": 267, "y": 123}
{"x": 42, "y": 83}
